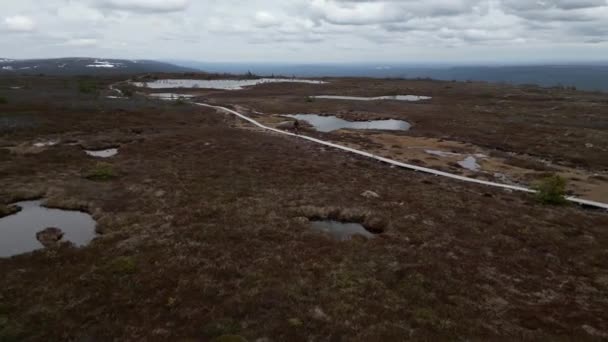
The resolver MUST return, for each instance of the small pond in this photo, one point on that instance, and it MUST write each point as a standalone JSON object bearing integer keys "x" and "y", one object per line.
{"x": 218, "y": 84}
{"x": 46, "y": 143}
{"x": 108, "y": 153}
{"x": 332, "y": 123}
{"x": 408, "y": 98}
{"x": 470, "y": 163}
{"x": 341, "y": 231}
{"x": 171, "y": 96}
{"x": 18, "y": 231}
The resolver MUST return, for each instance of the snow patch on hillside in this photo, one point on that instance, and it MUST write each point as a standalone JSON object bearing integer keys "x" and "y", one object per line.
{"x": 103, "y": 64}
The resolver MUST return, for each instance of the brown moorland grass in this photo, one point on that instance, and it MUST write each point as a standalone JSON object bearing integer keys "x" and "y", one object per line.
{"x": 204, "y": 236}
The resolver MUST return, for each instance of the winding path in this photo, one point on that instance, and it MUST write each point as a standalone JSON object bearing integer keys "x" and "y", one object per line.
{"x": 397, "y": 163}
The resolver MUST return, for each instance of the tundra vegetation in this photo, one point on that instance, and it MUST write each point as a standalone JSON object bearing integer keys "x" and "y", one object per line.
{"x": 205, "y": 221}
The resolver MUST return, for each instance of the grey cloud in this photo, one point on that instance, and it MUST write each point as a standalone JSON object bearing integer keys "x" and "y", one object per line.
{"x": 145, "y": 6}
{"x": 317, "y": 29}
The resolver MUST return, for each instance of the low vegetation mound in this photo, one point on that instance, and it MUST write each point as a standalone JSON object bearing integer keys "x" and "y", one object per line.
{"x": 551, "y": 190}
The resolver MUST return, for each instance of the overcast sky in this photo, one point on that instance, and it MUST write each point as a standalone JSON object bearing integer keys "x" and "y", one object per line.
{"x": 307, "y": 30}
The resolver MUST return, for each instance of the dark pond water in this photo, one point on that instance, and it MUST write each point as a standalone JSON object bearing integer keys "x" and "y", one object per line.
{"x": 341, "y": 231}
{"x": 332, "y": 123}
{"x": 18, "y": 231}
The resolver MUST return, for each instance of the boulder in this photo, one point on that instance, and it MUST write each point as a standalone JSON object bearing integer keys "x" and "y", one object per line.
{"x": 50, "y": 237}
{"x": 375, "y": 224}
{"x": 370, "y": 194}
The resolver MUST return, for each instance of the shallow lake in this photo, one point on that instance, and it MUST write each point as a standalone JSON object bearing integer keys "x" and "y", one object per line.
{"x": 218, "y": 84}
{"x": 332, "y": 123}
{"x": 409, "y": 98}
{"x": 341, "y": 231}
{"x": 18, "y": 231}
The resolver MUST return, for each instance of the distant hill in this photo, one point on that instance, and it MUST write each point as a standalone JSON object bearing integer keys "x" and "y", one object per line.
{"x": 590, "y": 77}
{"x": 85, "y": 66}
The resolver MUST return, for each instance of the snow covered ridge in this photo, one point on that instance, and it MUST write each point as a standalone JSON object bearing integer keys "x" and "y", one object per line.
{"x": 104, "y": 64}
{"x": 8, "y": 67}
{"x": 6, "y": 60}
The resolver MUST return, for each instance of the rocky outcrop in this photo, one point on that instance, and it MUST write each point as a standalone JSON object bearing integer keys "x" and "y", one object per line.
{"x": 288, "y": 125}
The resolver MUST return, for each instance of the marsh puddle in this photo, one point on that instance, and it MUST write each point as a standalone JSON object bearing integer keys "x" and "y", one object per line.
{"x": 171, "y": 96}
{"x": 218, "y": 84}
{"x": 108, "y": 153}
{"x": 46, "y": 143}
{"x": 18, "y": 231}
{"x": 341, "y": 231}
{"x": 408, "y": 98}
{"x": 470, "y": 163}
{"x": 332, "y": 123}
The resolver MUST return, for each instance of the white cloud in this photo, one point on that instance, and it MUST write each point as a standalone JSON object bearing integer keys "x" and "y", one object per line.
{"x": 265, "y": 19}
{"x": 19, "y": 23}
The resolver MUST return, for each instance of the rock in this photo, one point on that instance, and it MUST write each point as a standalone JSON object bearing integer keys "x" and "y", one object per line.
{"x": 301, "y": 220}
{"x": 159, "y": 193}
{"x": 161, "y": 332}
{"x": 319, "y": 314}
{"x": 589, "y": 145}
{"x": 370, "y": 194}
{"x": 50, "y": 237}
{"x": 287, "y": 125}
{"x": 375, "y": 224}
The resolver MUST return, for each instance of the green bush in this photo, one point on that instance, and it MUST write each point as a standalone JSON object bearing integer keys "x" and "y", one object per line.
{"x": 123, "y": 266}
{"x": 3, "y": 100}
{"x": 551, "y": 190}
{"x": 310, "y": 99}
{"x": 101, "y": 172}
